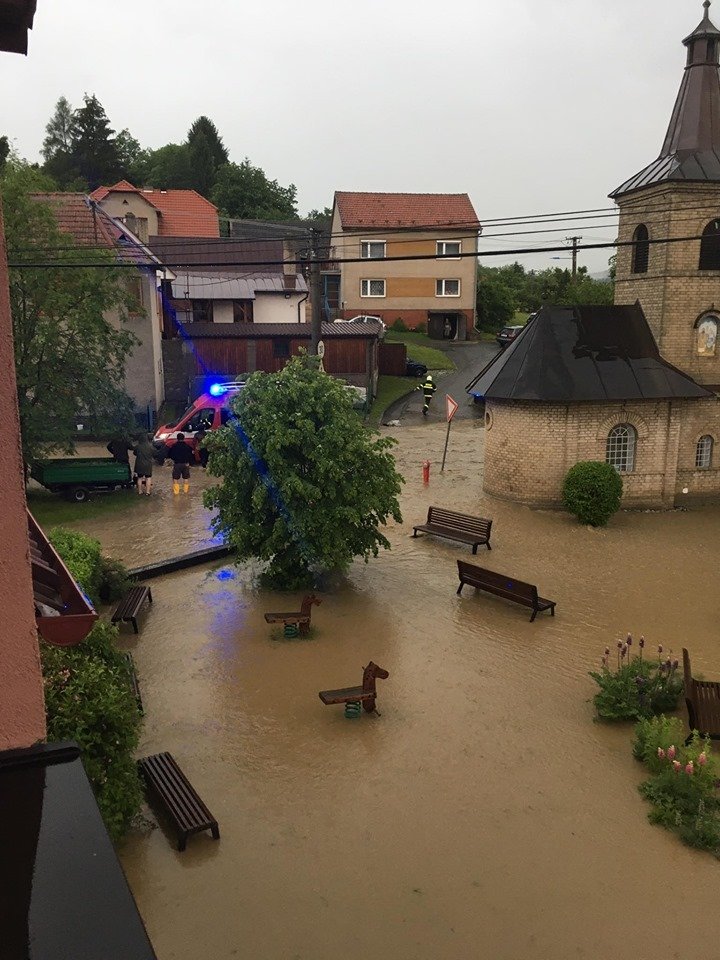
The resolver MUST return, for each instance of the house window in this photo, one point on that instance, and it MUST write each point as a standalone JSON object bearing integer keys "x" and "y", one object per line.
{"x": 281, "y": 349}
{"x": 372, "y": 288}
{"x": 707, "y": 329}
{"x": 242, "y": 311}
{"x": 641, "y": 249}
{"x": 710, "y": 247}
{"x": 703, "y": 452}
{"x": 449, "y": 248}
{"x": 202, "y": 311}
{"x": 372, "y": 249}
{"x": 447, "y": 288}
{"x": 620, "y": 451}
{"x": 711, "y": 50}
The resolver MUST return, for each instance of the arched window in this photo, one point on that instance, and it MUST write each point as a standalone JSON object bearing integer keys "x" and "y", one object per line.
{"x": 710, "y": 247}
{"x": 706, "y": 332}
{"x": 703, "y": 452}
{"x": 620, "y": 450}
{"x": 641, "y": 249}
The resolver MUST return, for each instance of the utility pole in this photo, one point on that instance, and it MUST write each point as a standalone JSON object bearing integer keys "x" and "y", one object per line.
{"x": 574, "y": 241}
{"x": 315, "y": 292}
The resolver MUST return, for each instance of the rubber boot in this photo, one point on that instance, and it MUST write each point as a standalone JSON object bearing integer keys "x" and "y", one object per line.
{"x": 186, "y": 488}
{"x": 176, "y": 488}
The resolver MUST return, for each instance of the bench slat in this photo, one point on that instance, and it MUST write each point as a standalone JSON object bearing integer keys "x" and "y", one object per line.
{"x": 457, "y": 526}
{"x": 177, "y": 796}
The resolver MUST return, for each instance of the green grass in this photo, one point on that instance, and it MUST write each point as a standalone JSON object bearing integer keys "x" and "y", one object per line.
{"x": 51, "y": 509}
{"x": 418, "y": 349}
{"x": 390, "y": 389}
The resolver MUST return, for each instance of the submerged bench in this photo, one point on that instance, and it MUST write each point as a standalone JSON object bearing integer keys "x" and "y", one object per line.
{"x": 133, "y": 681}
{"x": 702, "y": 698}
{"x": 501, "y": 586}
{"x": 457, "y": 526}
{"x": 177, "y": 797}
{"x": 130, "y": 605}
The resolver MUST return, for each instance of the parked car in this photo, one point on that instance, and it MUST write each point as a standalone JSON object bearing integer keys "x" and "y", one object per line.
{"x": 366, "y": 318}
{"x": 210, "y": 411}
{"x": 507, "y": 335}
{"x": 413, "y": 368}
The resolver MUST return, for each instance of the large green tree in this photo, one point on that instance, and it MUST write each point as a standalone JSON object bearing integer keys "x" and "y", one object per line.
{"x": 57, "y": 148}
{"x": 133, "y": 158}
{"x": 243, "y": 191}
{"x": 207, "y": 154}
{"x": 94, "y": 146}
{"x": 4, "y": 151}
{"x": 170, "y": 168}
{"x": 68, "y": 357}
{"x": 304, "y": 486}
{"x": 496, "y": 301}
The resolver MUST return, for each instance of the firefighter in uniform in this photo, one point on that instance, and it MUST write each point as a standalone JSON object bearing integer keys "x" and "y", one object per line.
{"x": 428, "y": 388}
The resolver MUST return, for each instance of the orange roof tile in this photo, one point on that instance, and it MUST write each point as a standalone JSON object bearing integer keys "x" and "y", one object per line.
{"x": 183, "y": 213}
{"x": 75, "y": 216}
{"x": 406, "y": 210}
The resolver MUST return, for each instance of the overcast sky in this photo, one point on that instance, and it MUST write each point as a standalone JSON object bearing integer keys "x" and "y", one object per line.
{"x": 530, "y": 106}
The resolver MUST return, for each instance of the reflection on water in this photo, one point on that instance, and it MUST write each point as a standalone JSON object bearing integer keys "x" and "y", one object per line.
{"x": 484, "y": 814}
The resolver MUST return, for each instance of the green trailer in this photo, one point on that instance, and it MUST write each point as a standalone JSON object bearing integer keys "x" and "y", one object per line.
{"x": 77, "y": 477}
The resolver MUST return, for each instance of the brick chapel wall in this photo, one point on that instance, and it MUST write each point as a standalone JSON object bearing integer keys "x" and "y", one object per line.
{"x": 530, "y": 447}
{"x": 698, "y": 418}
{"x": 673, "y": 293}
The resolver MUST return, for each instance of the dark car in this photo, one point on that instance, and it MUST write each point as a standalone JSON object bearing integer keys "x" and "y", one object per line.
{"x": 507, "y": 335}
{"x": 413, "y": 368}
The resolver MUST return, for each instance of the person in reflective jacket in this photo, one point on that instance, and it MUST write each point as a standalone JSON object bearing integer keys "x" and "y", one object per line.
{"x": 428, "y": 388}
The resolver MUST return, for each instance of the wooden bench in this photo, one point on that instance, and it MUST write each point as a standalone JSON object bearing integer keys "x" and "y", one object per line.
{"x": 502, "y": 586}
{"x": 177, "y": 797}
{"x": 133, "y": 680}
{"x": 457, "y": 526}
{"x": 702, "y": 698}
{"x": 129, "y": 606}
{"x": 297, "y": 618}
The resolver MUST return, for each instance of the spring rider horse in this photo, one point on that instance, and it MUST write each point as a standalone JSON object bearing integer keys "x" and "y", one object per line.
{"x": 296, "y": 622}
{"x": 353, "y": 697}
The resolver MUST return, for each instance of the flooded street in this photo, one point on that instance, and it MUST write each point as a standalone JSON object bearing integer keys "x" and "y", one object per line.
{"x": 483, "y": 814}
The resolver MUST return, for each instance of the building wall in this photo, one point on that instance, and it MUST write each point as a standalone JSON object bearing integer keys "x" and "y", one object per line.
{"x": 22, "y": 708}
{"x": 275, "y": 308}
{"x": 673, "y": 293}
{"x": 410, "y": 285}
{"x": 529, "y": 447}
{"x": 118, "y": 205}
{"x": 144, "y": 377}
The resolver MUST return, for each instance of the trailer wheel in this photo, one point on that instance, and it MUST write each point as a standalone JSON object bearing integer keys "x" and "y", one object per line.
{"x": 78, "y": 494}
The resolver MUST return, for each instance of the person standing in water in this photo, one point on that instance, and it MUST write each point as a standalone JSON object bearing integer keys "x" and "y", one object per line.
{"x": 428, "y": 388}
{"x": 182, "y": 455}
{"x": 144, "y": 451}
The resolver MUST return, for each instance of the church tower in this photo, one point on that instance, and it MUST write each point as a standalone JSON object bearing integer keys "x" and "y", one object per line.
{"x": 678, "y": 196}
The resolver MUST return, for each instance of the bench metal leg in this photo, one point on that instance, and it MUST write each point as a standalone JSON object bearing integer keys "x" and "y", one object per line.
{"x": 552, "y": 610}
{"x": 534, "y": 614}
{"x": 475, "y": 546}
{"x": 182, "y": 841}
{"x": 215, "y": 831}
{"x": 488, "y": 545}
{"x": 459, "y": 589}
{"x": 133, "y": 621}
{"x": 149, "y": 594}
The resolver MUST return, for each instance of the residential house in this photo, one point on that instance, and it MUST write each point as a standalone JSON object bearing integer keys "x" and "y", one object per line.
{"x": 148, "y": 212}
{"x": 81, "y": 218}
{"x": 382, "y": 232}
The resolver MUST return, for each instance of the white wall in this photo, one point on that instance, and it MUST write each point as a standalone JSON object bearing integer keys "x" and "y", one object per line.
{"x": 275, "y": 308}
{"x": 222, "y": 311}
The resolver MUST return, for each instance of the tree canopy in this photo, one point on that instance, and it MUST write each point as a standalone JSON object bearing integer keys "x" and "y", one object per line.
{"x": 304, "y": 486}
{"x": 243, "y": 191}
{"x": 69, "y": 358}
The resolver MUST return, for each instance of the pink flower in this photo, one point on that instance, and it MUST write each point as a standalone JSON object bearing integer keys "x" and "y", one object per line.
{"x": 623, "y": 651}
{"x": 660, "y": 649}
{"x": 629, "y": 640}
{"x": 671, "y": 752}
{"x": 642, "y": 642}
{"x": 619, "y": 644}
{"x": 702, "y": 759}
{"x": 661, "y": 753}
{"x": 607, "y": 651}
{"x": 689, "y": 769}
{"x": 676, "y": 765}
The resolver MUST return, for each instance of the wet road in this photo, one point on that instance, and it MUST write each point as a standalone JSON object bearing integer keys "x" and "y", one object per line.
{"x": 483, "y": 814}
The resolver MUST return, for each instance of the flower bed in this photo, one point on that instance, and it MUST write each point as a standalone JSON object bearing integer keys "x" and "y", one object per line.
{"x": 635, "y": 687}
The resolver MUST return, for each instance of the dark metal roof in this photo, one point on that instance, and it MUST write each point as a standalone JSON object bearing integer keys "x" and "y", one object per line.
{"x": 691, "y": 149}
{"x": 579, "y": 354}
{"x": 62, "y": 889}
{"x": 16, "y": 18}
{"x": 221, "y": 255}
{"x": 298, "y": 331}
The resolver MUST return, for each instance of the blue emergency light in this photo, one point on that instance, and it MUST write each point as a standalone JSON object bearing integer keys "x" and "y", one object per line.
{"x": 216, "y": 389}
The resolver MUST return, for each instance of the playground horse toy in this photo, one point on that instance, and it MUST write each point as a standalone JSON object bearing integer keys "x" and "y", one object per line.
{"x": 295, "y": 621}
{"x": 365, "y": 694}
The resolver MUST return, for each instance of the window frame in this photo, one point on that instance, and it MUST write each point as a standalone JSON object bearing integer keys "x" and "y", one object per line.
{"x": 441, "y": 252}
{"x": 373, "y": 296}
{"x": 372, "y": 243}
{"x": 640, "y": 250}
{"x": 625, "y": 462}
{"x": 197, "y": 307}
{"x": 440, "y": 287}
{"x": 281, "y": 348}
{"x": 704, "y": 449}
{"x": 710, "y": 246}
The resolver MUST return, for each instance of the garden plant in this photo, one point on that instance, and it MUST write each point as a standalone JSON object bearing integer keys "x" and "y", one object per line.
{"x": 592, "y": 491}
{"x": 633, "y": 686}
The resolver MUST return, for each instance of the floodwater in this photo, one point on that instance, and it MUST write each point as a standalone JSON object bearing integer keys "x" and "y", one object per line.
{"x": 483, "y": 814}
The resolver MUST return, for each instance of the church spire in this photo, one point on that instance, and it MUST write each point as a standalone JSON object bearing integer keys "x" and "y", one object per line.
{"x": 691, "y": 149}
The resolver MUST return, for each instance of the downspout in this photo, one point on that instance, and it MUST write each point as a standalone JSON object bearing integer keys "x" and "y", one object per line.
{"x": 300, "y": 303}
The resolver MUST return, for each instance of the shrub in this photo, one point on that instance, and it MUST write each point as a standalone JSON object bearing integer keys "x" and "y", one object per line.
{"x": 399, "y": 325}
{"x": 82, "y": 556}
{"x": 420, "y": 328}
{"x": 635, "y": 687}
{"x": 101, "y": 578}
{"x": 681, "y": 787}
{"x": 88, "y": 699}
{"x": 592, "y": 491}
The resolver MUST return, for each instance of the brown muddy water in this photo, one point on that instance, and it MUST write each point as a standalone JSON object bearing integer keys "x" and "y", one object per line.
{"x": 483, "y": 814}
